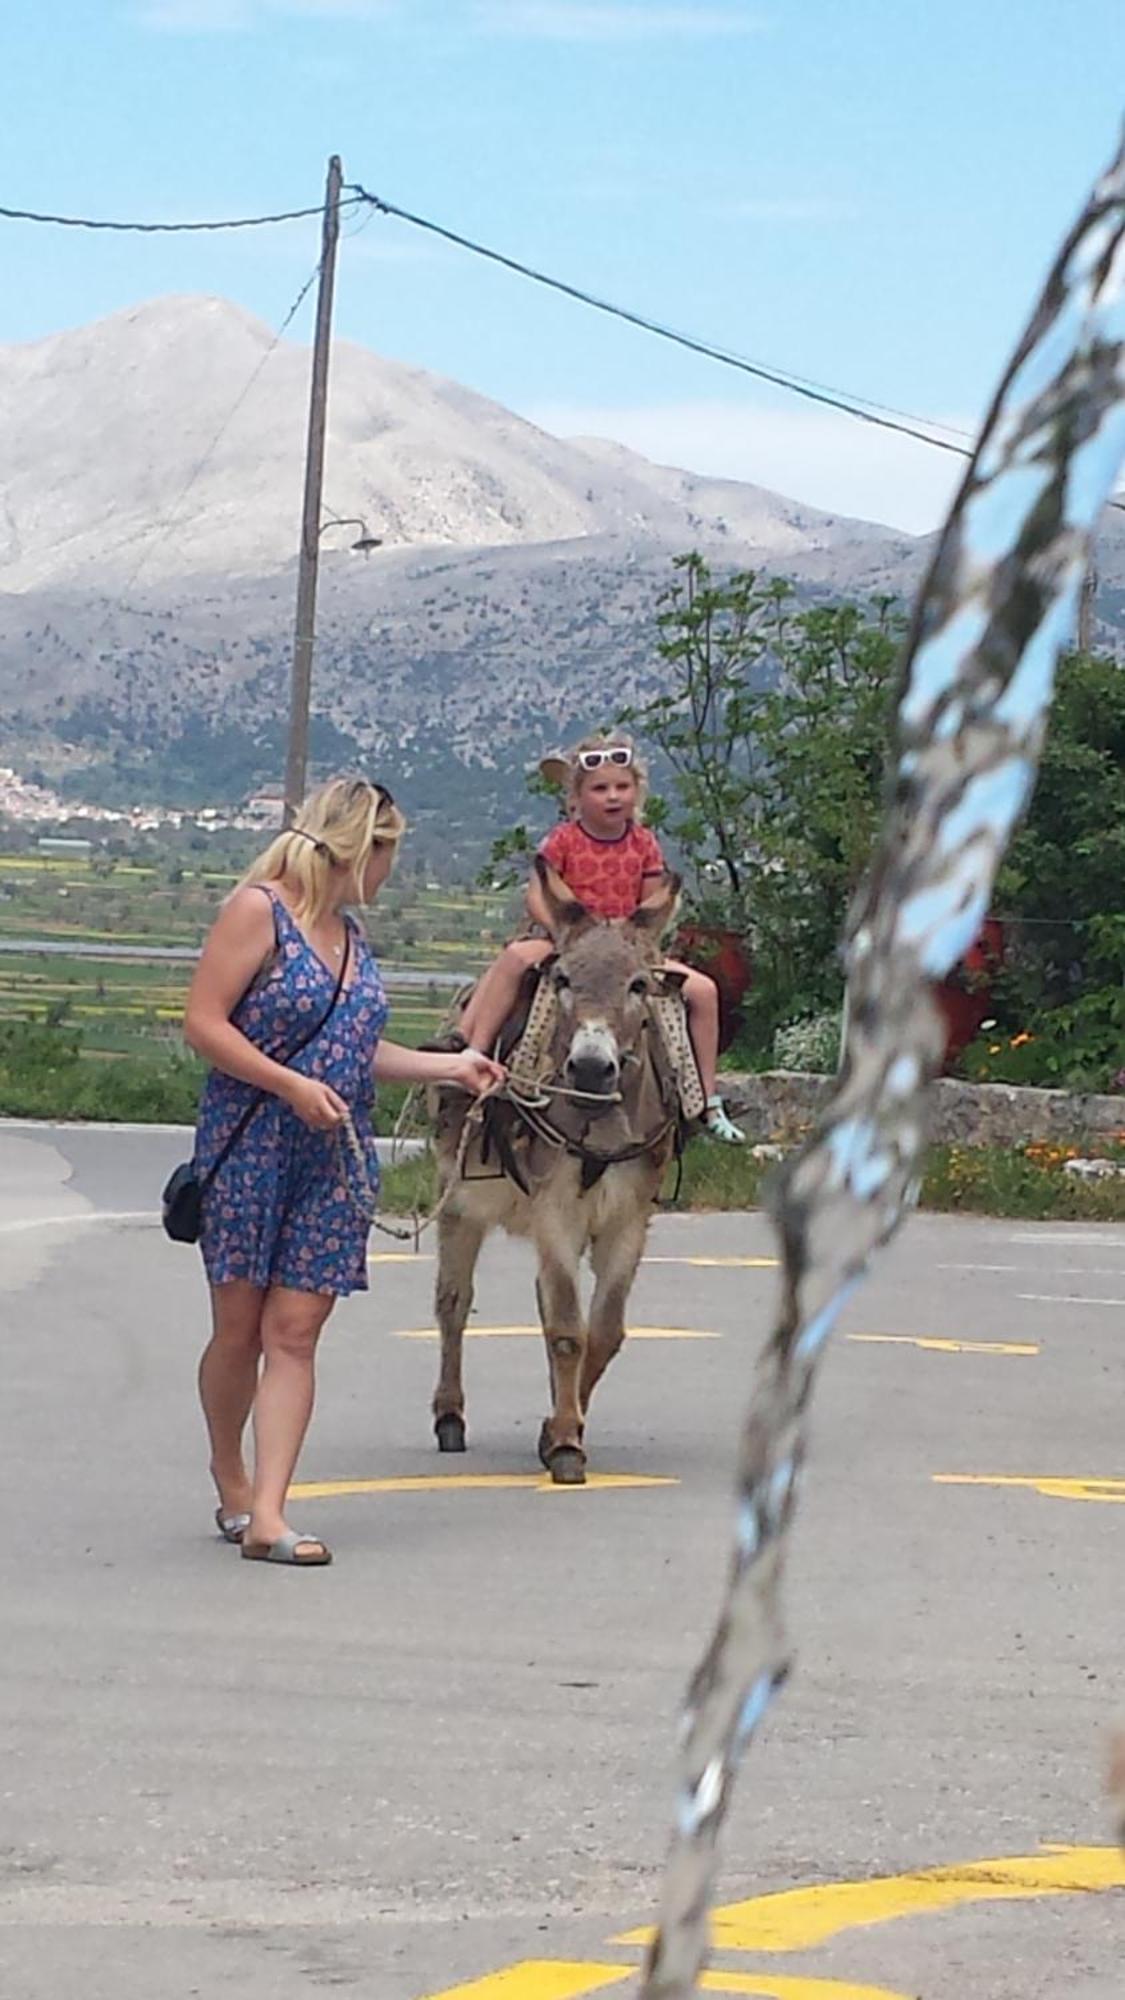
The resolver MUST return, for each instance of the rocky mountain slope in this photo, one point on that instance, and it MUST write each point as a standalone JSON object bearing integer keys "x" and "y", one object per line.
{"x": 150, "y": 489}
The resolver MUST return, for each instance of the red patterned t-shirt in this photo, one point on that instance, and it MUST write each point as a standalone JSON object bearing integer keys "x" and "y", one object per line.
{"x": 608, "y": 876}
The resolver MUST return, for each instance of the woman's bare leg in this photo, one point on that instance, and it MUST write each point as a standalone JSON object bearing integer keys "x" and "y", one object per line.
{"x": 291, "y": 1326}
{"x": 495, "y": 993}
{"x": 228, "y": 1379}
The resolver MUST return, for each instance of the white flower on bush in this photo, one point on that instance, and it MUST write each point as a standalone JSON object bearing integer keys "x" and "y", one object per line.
{"x": 812, "y": 1044}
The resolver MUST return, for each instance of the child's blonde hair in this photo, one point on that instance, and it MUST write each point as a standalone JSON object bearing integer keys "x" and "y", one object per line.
{"x": 337, "y": 827}
{"x": 569, "y": 773}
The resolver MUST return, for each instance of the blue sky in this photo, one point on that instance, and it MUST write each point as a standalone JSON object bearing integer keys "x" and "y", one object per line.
{"x": 862, "y": 191}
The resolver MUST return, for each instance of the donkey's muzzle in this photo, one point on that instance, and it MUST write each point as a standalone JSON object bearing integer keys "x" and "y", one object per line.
{"x": 593, "y": 1070}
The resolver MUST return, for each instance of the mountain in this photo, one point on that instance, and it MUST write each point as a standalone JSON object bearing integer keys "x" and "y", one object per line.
{"x": 168, "y": 441}
{"x": 150, "y": 494}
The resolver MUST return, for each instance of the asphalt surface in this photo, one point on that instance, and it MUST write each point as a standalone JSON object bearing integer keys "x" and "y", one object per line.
{"x": 451, "y": 1754}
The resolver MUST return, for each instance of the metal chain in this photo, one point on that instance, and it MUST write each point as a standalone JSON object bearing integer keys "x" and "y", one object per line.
{"x": 999, "y": 601}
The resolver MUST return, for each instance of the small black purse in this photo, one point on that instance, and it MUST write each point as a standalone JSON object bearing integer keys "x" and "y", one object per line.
{"x": 181, "y": 1204}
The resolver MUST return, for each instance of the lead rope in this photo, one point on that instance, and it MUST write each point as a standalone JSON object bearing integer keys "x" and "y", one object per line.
{"x": 999, "y": 600}
{"x": 366, "y": 1202}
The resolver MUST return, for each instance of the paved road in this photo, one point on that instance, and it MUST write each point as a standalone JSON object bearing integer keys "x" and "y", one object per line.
{"x": 450, "y": 1755}
{"x": 159, "y": 954}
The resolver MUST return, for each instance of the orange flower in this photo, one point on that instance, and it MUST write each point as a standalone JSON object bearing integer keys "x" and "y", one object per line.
{"x": 1017, "y": 1041}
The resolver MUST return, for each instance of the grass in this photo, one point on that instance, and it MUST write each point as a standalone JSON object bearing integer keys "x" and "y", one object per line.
{"x": 1024, "y": 1184}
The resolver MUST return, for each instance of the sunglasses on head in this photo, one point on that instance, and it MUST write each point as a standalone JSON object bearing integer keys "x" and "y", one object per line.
{"x": 620, "y": 754}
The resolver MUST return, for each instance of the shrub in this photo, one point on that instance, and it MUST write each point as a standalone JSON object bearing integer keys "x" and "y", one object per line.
{"x": 811, "y": 1045}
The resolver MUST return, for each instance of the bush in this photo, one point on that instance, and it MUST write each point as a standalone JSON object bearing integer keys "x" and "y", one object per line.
{"x": 43, "y": 1074}
{"x": 811, "y": 1045}
{"x": 1077, "y": 1047}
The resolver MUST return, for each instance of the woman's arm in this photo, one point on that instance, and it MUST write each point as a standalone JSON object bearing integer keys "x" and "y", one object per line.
{"x": 475, "y": 1073}
{"x": 238, "y": 945}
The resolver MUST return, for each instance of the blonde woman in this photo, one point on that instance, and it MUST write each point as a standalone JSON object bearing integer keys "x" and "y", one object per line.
{"x": 608, "y": 860}
{"x": 288, "y": 1007}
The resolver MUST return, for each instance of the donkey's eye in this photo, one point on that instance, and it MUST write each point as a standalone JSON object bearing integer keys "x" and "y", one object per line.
{"x": 562, "y": 982}
{"x": 639, "y": 985}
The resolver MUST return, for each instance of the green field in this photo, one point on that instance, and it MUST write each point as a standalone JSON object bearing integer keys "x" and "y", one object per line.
{"x": 130, "y": 1007}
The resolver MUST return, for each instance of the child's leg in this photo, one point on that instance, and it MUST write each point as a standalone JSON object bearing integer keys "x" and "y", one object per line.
{"x": 494, "y": 995}
{"x": 701, "y": 998}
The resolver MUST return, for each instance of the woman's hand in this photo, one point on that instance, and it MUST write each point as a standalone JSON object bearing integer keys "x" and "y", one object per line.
{"x": 475, "y": 1073}
{"x": 316, "y": 1104}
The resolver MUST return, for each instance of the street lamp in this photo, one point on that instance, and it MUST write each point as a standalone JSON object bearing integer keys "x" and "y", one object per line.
{"x": 366, "y": 541}
{"x": 297, "y": 756}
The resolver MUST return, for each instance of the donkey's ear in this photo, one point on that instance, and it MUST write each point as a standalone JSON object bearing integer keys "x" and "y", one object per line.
{"x": 659, "y": 907}
{"x": 564, "y": 913}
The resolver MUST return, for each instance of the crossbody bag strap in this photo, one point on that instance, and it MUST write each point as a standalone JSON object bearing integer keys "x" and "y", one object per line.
{"x": 260, "y": 1096}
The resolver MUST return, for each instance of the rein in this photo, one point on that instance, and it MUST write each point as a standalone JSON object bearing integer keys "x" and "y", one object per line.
{"x": 531, "y": 1109}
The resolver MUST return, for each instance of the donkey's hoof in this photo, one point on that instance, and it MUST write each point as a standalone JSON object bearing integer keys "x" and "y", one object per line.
{"x": 568, "y": 1466}
{"x": 566, "y": 1463}
{"x": 450, "y": 1432}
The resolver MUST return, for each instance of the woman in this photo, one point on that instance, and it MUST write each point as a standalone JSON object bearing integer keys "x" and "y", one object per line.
{"x": 288, "y": 1007}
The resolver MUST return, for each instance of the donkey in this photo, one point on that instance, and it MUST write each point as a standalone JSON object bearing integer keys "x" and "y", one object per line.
{"x": 575, "y": 1165}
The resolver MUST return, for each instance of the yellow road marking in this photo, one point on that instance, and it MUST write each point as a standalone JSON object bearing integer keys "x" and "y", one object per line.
{"x": 1105, "y": 1490}
{"x": 935, "y": 1346}
{"x": 800, "y": 1919}
{"x": 702, "y": 1263}
{"x": 539, "y": 1979}
{"x": 558, "y": 1979}
{"x": 473, "y": 1482}
{"x": 721, "y": 1263}
{"x": 523, "y": 1332}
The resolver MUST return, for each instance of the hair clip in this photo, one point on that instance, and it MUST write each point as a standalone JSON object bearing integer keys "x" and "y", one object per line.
{"x": 320, "y": 847}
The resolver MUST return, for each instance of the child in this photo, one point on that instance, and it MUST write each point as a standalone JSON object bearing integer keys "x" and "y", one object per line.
{"x": 608, "y": 860}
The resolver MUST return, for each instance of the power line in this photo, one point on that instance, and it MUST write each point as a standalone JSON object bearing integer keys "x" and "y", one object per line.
{"x": 883, "y": 416}
{"x": 798, "y": 385}
{"x": 169, "y": 228}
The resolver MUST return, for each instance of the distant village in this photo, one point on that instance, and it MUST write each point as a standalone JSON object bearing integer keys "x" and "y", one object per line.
{"x": 26, "y": 804}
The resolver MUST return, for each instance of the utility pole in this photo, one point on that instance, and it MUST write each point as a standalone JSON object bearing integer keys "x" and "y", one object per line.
{"x": 300, "y": 685}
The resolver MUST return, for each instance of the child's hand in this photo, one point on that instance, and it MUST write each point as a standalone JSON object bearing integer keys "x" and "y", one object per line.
{"x": 476, "y": 1073}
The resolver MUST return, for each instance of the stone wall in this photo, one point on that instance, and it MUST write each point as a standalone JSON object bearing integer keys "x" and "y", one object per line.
{"x": 779, "y": 1103}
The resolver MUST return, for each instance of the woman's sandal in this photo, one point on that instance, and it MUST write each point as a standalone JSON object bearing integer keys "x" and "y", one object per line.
{"x": 285, "y": 1550}
{"x": 231, "y": 1527}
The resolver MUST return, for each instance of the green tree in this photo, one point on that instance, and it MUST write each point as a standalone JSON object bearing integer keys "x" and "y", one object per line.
{"x": 1062, "y": 890}
{"x": 773, "y": 725}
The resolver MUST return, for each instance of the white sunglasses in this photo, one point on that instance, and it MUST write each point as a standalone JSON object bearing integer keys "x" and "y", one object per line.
{"x": 618, "y": 753}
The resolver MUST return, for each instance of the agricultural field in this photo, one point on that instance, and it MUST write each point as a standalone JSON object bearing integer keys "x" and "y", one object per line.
{"x": 83, "y": 910}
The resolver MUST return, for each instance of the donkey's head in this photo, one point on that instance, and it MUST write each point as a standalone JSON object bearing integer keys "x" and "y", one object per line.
{"x": 603, "y": 975}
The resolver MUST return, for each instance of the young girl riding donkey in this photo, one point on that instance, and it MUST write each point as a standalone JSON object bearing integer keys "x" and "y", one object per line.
{"x": 609, "y": 861}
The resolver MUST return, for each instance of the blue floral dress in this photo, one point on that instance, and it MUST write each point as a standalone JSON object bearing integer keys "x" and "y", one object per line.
{"x": 287, "y": 1205}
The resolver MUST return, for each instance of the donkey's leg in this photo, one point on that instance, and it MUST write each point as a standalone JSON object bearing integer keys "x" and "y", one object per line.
{"x": 459, "y": 1240}
{"x": 559, "y": 1245}
{"x": 615, "y": 1253}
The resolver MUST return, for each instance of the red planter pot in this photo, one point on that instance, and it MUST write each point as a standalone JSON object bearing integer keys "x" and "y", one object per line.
{"x": 965, "y": 998}
{"x": 722, "y": 954}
